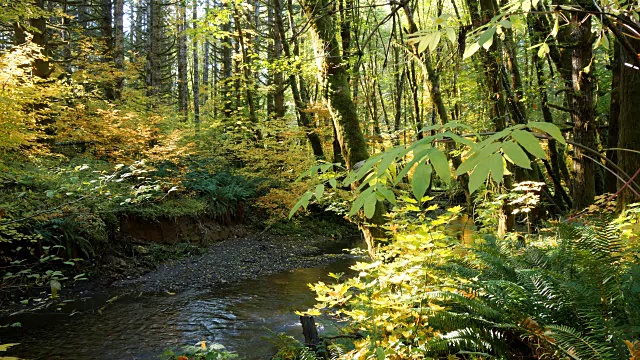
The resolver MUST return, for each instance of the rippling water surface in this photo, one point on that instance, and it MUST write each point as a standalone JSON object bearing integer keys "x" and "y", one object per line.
{"x": 241, "y": 316}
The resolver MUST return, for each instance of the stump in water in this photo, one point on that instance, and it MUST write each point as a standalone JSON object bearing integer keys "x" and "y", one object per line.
{"x": 309, "y": 331}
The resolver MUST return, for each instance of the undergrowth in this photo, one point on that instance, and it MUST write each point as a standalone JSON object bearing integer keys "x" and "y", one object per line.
{"x": 574, "y": 293}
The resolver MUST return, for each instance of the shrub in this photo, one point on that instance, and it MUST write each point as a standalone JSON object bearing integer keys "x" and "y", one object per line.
{"x": 574, "y": 294}
{"x": 224, "y": 192}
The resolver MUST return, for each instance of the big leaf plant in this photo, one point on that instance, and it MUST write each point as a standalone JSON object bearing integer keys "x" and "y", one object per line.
{"x": 485, "y": 157}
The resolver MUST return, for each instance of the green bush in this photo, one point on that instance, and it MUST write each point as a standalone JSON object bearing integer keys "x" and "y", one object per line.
{"x": 224, "y": 192}
{"x": 575, "y": 294}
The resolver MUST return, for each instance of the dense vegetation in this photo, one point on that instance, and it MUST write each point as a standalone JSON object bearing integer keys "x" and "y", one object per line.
{"x": 387, "y": 113}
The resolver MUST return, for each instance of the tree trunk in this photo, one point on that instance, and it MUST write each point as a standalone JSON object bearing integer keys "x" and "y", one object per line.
{"x": 333, "y": 75}
{"x": 118, "y": 51}
{"x": 183, "y": 80}
{"x": 300, "y": 103}
{"x": 227, "y": 70}
{"x": 583, "y": 114}
{"x": 205, "y": 61}
{"x": 611, "y": 181}
{"x": 629, "y": 110}
{"x": 196, "y": 73}
{"x": 39, "y": 37}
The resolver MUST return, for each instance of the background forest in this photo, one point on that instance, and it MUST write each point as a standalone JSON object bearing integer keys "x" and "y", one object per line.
{"x": 524, "y": 112}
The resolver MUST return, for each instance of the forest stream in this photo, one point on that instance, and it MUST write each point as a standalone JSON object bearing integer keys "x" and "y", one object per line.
{"x": 244, "y": 316}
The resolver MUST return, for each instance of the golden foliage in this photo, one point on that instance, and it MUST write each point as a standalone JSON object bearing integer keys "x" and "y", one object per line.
{"x": 24, "y": 98}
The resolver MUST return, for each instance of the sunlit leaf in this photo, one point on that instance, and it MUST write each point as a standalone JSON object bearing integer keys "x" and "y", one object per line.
{"x": 440, "y": 163}
{"x": 548, "y": 128}
{"x": 529, "y": 143}
{"x": 421, "y": 179}
{"x": 479, "y": 176}
{"x": 470, "y": 50}
{"x": 514, "y": 153}
{"x": 319, "y": 191}
{"x": 370, "y": 205}
{"x": 496, "y": 167}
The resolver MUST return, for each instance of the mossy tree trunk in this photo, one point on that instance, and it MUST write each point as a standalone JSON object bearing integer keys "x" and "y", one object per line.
{"x": 337, "y": 92}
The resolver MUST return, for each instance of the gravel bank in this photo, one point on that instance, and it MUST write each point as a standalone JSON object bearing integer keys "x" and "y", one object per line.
{"x": 238, "y": 259}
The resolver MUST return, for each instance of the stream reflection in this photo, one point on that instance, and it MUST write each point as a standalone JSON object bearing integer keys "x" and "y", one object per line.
{"x": 238, "y": 316}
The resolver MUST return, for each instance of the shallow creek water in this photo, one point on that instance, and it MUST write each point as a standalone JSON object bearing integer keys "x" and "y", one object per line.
{"x": 242, "y": 316}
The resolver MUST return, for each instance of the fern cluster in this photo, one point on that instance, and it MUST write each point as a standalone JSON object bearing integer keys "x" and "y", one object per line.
{"x": 576, "y": 296}
{"x": 223, "y": 191}
{"x": 579, "y": 298}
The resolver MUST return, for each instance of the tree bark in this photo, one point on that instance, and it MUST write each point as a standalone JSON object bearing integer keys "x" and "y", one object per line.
{"x": 583, "y": 114}
{"x": 183, "y": 80}
{"x": 246, "y": 72}
{"x": 611, "y": 181}
{"x": 628, "y": 120}
{"x": 118, "y": 50}
{"x": 206, "y": 61}
{"x": 196, "y": 70}
{"x": 300, "y": 103}
{"x": 333, "y": 75}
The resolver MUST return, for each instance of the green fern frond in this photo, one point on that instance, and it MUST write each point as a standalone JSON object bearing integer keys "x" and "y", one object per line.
{"x": 577, "y": 345}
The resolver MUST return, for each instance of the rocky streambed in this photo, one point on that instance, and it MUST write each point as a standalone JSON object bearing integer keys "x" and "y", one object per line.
{"x": 240, "y": 292}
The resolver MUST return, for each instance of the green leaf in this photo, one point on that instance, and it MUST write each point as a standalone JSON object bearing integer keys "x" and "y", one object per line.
{"x": 405, "y": 170}
{"x": 387, "y": 160}
{"x": 514, "y": 153}
{"x": 333, "y": 183}
{"x": 479, "y": 176}
{"x": 548, "y": 128}
{"x": 370, "y": 205}
{"x": 380, "y": 353}
{"x": 529, "y": 142}
{"x": 434, "y": 41}
{"x": 470, "y": 50}
{"x": 440, "y": 163}
{"x": 543, "y": 50}
{"x": 421, "y": 179}
{"x": 487, "y": 36}
{"x": 424, "y": 42}
{"x": 477, "y": 157}
{"x": 496, "y": 167}
{"x": 505, "y": 23}
{"x": 387, "y": 194}
{"x": 4, "y": 347}
{"x": 303, "y": 202}
{"x": 319, "y": 191}
{"x": 359, "y": 201}
{"x": 468, "y": 164}
{"x": 451, "y": 35}
{"x": 488, "y": 43}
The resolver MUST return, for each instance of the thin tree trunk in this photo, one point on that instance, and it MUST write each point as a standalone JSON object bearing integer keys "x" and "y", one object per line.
{"x": 303, "y": 120}
{"x": 611, "y": 182}
{"x": 118, "y": 50}
{"x": 246, "y": 72}
{"x": 183, "y": 80}
{"x": 196, "y": 74}
{"x": 206, "y": 61}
